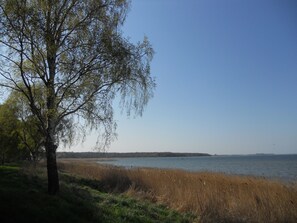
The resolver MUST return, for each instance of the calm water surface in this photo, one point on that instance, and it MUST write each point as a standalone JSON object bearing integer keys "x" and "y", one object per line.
{"x": 282, "y": 167}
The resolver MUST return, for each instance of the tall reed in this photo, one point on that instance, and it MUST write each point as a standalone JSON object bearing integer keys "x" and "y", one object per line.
{"x": 213, "y": 197}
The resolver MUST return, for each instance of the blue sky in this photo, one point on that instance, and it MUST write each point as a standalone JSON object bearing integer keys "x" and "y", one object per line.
{"x": 226, "y": 74}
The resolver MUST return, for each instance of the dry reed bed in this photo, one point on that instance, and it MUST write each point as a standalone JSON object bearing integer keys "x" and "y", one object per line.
{"x": 212, "y": 196}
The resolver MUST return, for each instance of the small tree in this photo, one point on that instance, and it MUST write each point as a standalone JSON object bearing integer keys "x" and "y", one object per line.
{"x": 72, "y": 61}
{"x": 8, "y": 133}
{"x": 30, "y": 139}
{"x": 19, "y": 135}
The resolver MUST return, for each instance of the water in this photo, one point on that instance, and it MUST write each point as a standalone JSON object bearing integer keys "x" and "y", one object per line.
{"x": 283, "y": 167}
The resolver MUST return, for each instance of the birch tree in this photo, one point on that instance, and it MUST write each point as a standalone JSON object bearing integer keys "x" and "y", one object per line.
{"x": 69, "y": 60}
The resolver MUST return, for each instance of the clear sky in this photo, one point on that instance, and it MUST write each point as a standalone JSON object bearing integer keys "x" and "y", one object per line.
{"x": 226, "y": 73}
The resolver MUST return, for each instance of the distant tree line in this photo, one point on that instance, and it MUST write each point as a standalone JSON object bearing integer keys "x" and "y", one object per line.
{"x": 119, "y": 155}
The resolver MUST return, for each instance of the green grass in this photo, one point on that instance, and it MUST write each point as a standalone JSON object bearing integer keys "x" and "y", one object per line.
{"x": 24, "y": 198}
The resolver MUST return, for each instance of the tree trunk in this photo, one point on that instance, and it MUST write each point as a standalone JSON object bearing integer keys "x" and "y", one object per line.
{"x": 34, "y": 159}
{"x": 50, "y": 148}
{"x": 3, "y": 159}
{"x": 52, "y": 170}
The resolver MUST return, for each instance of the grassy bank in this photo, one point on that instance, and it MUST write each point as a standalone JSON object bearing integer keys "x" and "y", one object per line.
{"x": 23, "y": 198}
{"x": 212, "y": 197}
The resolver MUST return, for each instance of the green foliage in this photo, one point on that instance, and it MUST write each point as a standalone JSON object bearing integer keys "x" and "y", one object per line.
{"x": 8, "y": 133}
{"x": 31, "y": 139}
{"x": 77, "y": 202}
{"x": 19, "y": 134}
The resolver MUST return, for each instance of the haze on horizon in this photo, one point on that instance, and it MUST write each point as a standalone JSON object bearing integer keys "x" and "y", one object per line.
{"x": 226, "y": 74}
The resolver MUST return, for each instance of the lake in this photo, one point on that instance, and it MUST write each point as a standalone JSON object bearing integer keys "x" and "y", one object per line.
{"x": 283, "y": 167}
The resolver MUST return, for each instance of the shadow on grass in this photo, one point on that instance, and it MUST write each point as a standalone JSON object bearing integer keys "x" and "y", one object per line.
{"x": 24, "y": 198}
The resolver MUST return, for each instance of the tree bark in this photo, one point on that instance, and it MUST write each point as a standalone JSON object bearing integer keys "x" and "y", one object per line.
{"x": 51, "y": 147}
{"x": 2, "y": 159}
{"x": 52, "y": 170}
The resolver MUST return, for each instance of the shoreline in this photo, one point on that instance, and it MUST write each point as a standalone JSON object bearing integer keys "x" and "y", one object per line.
{"x": 106, "y": 162}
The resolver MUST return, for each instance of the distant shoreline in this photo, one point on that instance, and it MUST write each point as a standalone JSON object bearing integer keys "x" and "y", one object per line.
{"x": 125, "y": 155}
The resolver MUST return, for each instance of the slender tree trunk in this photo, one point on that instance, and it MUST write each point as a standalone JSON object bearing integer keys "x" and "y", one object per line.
{"x": 2, "y": 159}
{"x": 34, "y": 157}
{"x": 52, "y": 170}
